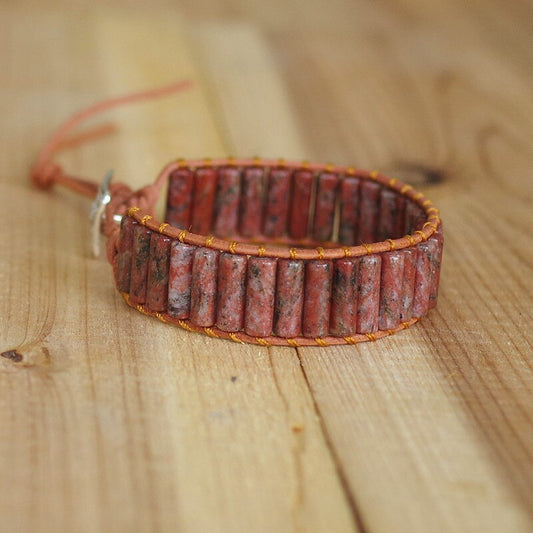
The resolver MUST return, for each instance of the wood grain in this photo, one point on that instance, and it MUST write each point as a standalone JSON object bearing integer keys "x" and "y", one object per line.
{"x": 110, "y": 421}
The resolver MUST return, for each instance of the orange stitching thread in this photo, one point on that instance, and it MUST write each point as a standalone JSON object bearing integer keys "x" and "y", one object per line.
{"x": 211, "y": 333}
{"x": 329, "y": 167}
{"x": 261, "y": 250}
{"x": 347, "y": 251}
{"x": 405, "y": 188}
{"x": 350, "y": 171}
{"x": 350, "y": 340}
{"x": 233, "y": 246}
{"x": 392, "y": 244}
{"x": 262, "y": 342}
{"x": 417, "y": 196}
{"x": 145, "y": 219}
{"x": 180, "y": 162}
{"x": 234, "y": 338}
{"x": 368, "y": 248}
{"x": 374, "y": 174}
{"x": 422, "y": 234}
{"x": 371, "y": 337}
{"x": 392, "y": 182}
{"x": 320, "y": 251}
{"x": 292, "y": 342}
{"x": 321, "y": 342}
{"x": 184, "y": 325}
{"x": 182, "y": 234}
{"x": 209, "y": 241}
{"x": 410, "y": 239}
{"x": 133, "y": 210}
{"x": 161, "y": 317}
{"x": 293, "y": 253}
{"x": 162, "y": 227}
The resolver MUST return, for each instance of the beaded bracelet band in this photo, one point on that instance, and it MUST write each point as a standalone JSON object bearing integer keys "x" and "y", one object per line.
{"x": 269, "y": 252}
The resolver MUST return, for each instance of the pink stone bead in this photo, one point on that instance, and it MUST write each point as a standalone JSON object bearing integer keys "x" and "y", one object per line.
{"x": 426, "y": 252}
{"x": 344, "y": 298}
{"x": 205, "y": 182}
{"x": 408, "y": 285}
{"x": 227, "y": 201}
{"x": 180, "y": 278}
{"x": 438, "y": 237}
{"x": 349, "y": 211}
{"x": 289, "y": 298}
{"x": 231, "y": 291}
{"x": 368, "y": 211}
{"x": 139, "y": 264}
{"x": 414, "y": 217}
{"x": 388, "y": 213}
{"x": 368, "y": 282}
{"x": 125, "y": 249}
{"x": 204, "y": 287}
{"x": 158, "y": 270}
{"x": 390, "y": 306}
{"x": 277, "y": 207}
{"x": 253, "y": 184}
{"x": 301, "y": 203}
{"x": 399, "y": 226}
{"x": 317, "y": 300}
{"x": 260, "y": 292}
{"x": 325, "y": 206}
{"x": 179, "y": 205}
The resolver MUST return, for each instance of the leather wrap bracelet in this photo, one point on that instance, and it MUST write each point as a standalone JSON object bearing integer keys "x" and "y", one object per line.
{"x": 269, "y": 252}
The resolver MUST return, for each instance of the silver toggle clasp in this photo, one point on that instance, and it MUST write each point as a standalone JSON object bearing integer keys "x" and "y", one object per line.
{"x": 97, "y": 213}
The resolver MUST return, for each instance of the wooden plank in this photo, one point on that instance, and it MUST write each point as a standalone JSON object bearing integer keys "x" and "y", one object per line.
{"x": 115, "y": 422}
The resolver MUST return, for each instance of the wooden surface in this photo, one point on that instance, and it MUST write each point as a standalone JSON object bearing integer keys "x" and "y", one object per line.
{"x": 113, "y": 422}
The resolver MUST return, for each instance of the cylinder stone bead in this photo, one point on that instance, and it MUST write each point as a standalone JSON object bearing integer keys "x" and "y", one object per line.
{"x": 260, "y": 293}
{"x": 158, "y": 271}
{"x": 368, "y": 284}
{"x": 289, "y": 298}
{"x": 204, "y": 287}
{"x": 344, "y": 298}
{"x": 139, "y": 264}
{"x": 301, "y": 204}
{"x": 414, "y": 217}
{"x": 368, "y": 211}
{"x": 317, "y": 298}
{"x": 390, "y": 296}
{"x": 425, "y": 256}
{"x": 179, "y": 204}
{"x": 435, "y": 268}
{"x": 277, "y": 207}
{"x": 180, "y": 278}
{"x": 408, "y": 285}
{"x": 125, "y": 250}
{"x": 388, "y": 215}
{"x": 253, "y": 184}
{"x": 227, "y": 201}
{"x": 231, "y": 291}
{"x": 205, "y": 182}
{"x": 399, "y": 226}
{"x": 349, "y": 210}
{"x": 326, "y": 196}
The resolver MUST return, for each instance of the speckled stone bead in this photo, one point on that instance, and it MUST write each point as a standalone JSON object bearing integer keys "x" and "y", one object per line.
{"x": 435, "y": 267}
{"x": 301, "y": 200}
{"x": 399, "y": 226}
{"x": 317, "y": 300}
{"x": 253, "y": 183}
{"x": 414, "y": 217}
{"x": 325, "y": 206}
{"x": 408, "y": 283}
{"x": 390, "y": 295}
{"x": 349, "y": 210}
{"x": 277, "y": 207}
{"x": 289, "y": 298}
{"x": 227, "y": 201}
{"x": 180, "y": 276}
{"x": 368, "y": 282}
{"x": 343, "y": 320}
{"x": 231, "y": 291}
{"x": 180, "y": 190}
{"x": 205, "y": 182}
{"x": 139, "y": 264}
{"x": 158, "y": 270}
{"x": 260, "y": 293}
{"x": 388, "y": 214}
{"x": 204, "y": 287}
{"x": 426, "y": 252}
{"x": 368, "y": 211}
{"x": 125, "y": 249}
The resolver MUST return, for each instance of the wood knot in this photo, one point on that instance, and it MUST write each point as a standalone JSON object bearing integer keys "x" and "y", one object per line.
{"x": 12, "y": 355}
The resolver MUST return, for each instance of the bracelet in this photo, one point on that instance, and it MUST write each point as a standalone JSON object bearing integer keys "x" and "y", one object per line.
{"x": 269, "y": 252}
